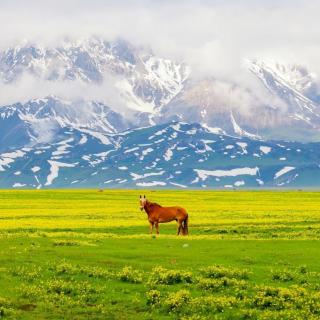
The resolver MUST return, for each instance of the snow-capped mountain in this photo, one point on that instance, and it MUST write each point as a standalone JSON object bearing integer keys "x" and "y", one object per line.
{"x": 133, "y": 81}
{"x": 175, "y": 155}
{"x": 144, "y": 81}
{"x": 298, "y": 88}
{"x": 115, "y": 132}
{"x": 143, "y": 90}
{"x": 296, "y": 78}
{"x": 40, "y": 120}
{"x": 289, "y": 108}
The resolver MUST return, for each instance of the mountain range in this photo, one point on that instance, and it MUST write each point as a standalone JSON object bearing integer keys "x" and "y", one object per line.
{"x": 144, "y": 121}
{"x": 176, "y": 155}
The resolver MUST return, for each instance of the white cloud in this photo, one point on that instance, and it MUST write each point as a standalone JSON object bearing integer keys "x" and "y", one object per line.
{"x": 214, "y": 37}
{"x": 219, "y": 32}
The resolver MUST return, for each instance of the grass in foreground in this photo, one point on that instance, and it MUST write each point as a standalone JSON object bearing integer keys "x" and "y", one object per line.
{"x": 85, "y": 254}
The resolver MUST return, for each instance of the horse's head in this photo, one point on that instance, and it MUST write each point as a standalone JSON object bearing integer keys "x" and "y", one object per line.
{"x": 143, "y": 201}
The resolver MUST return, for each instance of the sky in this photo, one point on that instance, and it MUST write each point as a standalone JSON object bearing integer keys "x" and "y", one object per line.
{"x": 214, "y": 37}
{"x": 194, "y": 29}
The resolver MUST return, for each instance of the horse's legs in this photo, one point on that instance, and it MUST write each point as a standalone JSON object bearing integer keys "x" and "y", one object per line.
{"x": 157, "y": 227}
{"x": 151, "y": 228}
{"x": 183, "y": 228}
{"x": 185, "y": 224}
{"x": 179, "y": 227}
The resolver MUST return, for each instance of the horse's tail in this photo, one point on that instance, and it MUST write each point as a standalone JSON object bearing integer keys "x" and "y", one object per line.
{"x": 185, "y": 226}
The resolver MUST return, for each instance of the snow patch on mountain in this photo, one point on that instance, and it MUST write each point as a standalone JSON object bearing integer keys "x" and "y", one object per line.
{"x": 283, "y": 171}
{"x": 9, "y": 157}
{"x": 136, "y": 176}
{"x": 239, "y": 131}
{"x": 169, "y": 153}
{"x": 178, "y": 185}
{"x": 239, "y": 183}
{"x": 18, "y": 185}
{"x": 265, "y": 149}
{"x": 151, "y": 184}
{"x": 204, "y": 174}
{"x": 54, "y": 170}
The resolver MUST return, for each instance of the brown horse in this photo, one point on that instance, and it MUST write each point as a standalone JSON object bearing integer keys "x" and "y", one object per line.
{"x": 158, "y": 214}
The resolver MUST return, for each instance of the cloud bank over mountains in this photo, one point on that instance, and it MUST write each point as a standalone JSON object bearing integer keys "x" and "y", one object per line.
{"x": 214, "y": 37}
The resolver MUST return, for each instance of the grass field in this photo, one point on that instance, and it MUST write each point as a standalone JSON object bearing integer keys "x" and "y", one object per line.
{"x": 88, "y": 255}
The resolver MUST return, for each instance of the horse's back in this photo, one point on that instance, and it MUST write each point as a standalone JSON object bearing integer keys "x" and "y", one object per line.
{"x": 176, "y": 211}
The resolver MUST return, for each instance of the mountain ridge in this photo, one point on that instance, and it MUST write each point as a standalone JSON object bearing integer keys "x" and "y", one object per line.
{"x": 146, "y": 89}
{"x": 174, "y": 155}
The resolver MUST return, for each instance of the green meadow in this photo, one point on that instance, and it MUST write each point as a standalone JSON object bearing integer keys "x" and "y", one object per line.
{"x": 85, "y": 254}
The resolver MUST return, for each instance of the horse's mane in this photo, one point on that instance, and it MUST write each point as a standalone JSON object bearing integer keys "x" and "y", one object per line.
{"x": 154, "y": 204}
